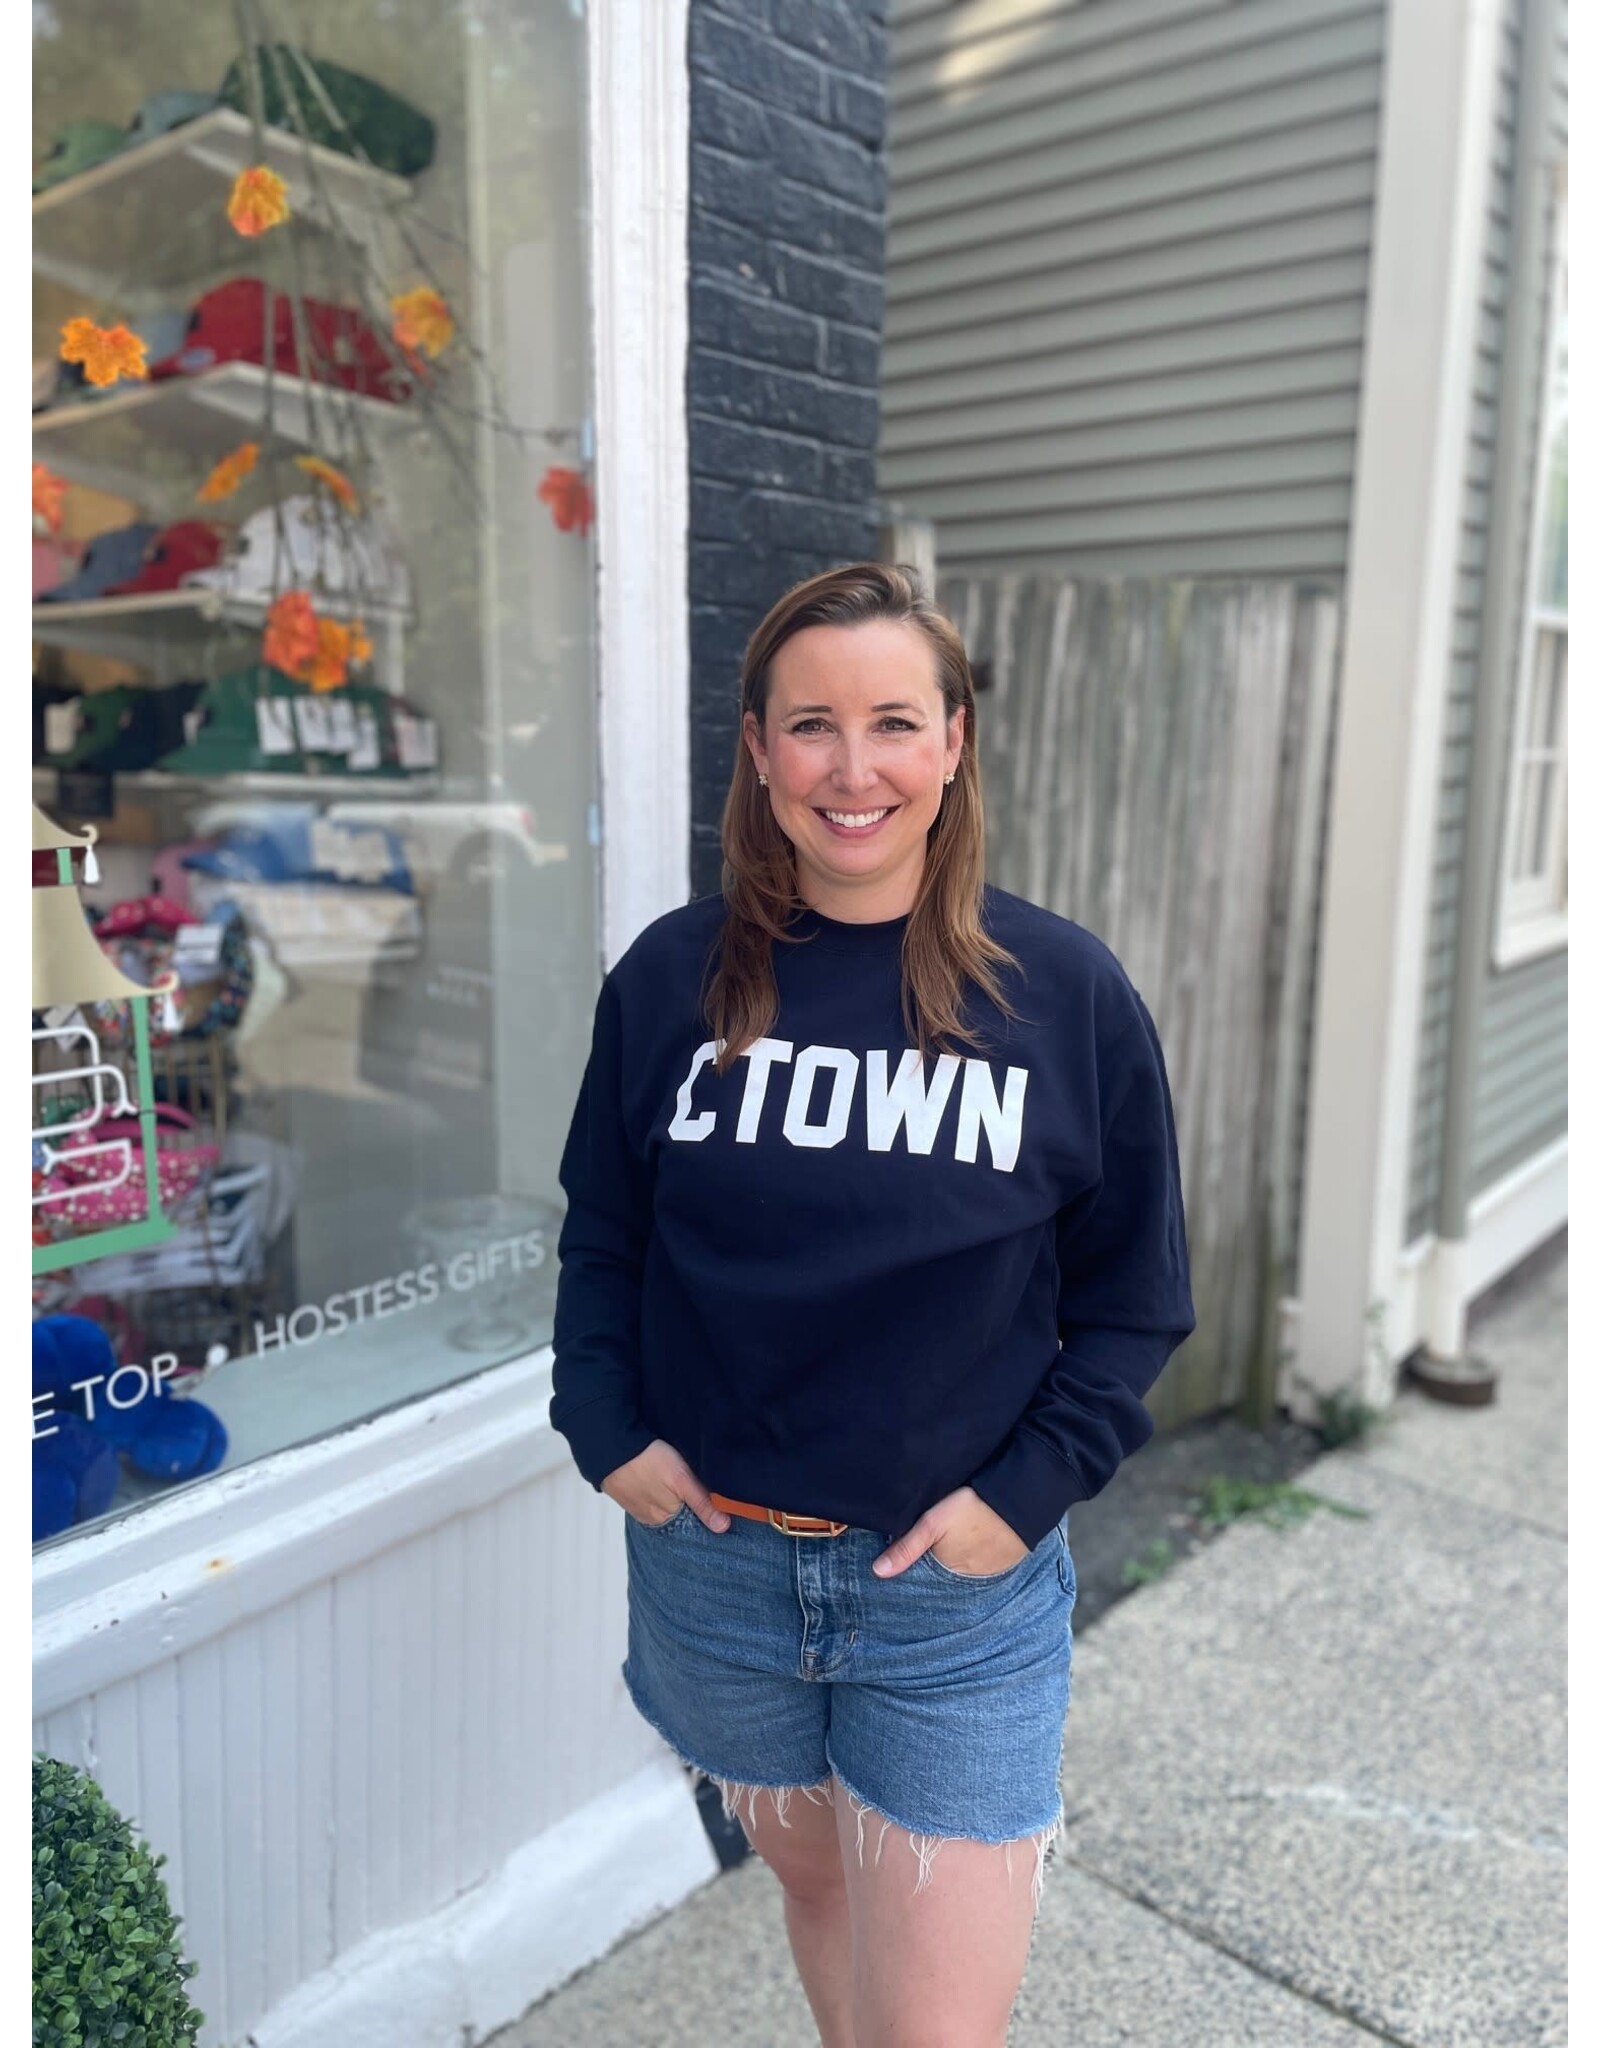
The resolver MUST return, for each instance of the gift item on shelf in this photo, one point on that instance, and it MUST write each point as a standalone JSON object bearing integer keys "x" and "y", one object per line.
{"x": 109, "y": 558}
{"x": 228, "y": 325}
{"x": 303, "y": 543}
{"x": 53, "y": 562}
{"x": 161, "y": 112}
{"x": 122, "y": 731}
{"x": 80, "y": 1426}
{"x": 258, "y": 720}
{"x": 175, "y": 553}
{"x": 77, "y": 146}
{"x": 90, "y": 1183}
{"x": 299, "y": 844}
{"x": 152, "y": 935}
{"x": 339, "y": 109}
{"x": 326, "y": 926}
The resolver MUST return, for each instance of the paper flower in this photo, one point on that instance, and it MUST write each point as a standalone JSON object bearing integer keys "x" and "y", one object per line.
{"x": 259, "y": 200}
{"x": 48, "y": 492}
{"x": 106, "y": 353}
{"x": 229, "y": 473}
{"x": 422, "y": 320}
{"x": 569, "y": 499}
{"x": 290, "y": 641}
{"x": 335, "y": 479}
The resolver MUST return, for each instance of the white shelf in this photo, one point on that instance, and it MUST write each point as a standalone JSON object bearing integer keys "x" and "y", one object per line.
{"x": 134, "y": 628}
{"x": 163, "y": 207}
{"x": 173, "y": 431}
{"x": 255, "y": 782}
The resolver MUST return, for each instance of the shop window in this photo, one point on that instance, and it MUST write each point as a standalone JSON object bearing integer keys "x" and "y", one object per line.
{"x": 314, "y": 732}
{"x": 1533, "y": 899}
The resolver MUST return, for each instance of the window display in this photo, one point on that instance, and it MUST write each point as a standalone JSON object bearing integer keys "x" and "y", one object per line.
{"x": 315, "y": 888}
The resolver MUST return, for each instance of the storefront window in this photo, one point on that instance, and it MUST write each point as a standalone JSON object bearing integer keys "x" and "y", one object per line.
{"x": 314, "y": 672}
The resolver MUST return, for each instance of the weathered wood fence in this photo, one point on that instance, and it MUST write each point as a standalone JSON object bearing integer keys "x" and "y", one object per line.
{"x": 1153, "y": 759}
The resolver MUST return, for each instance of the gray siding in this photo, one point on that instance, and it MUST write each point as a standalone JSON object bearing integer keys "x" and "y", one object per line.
{"x": 1127, "y": 275}
{"x": 1520, "y": 1089}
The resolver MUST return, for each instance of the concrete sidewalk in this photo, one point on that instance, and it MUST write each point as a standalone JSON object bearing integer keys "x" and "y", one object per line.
{"x": 1315, "y": 1778}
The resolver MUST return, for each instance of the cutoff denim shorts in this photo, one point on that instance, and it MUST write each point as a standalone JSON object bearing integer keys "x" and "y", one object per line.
{"x": 937, "y": 1698}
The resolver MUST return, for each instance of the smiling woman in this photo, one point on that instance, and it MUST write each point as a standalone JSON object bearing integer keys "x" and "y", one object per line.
{"x": 874, "y": 1245}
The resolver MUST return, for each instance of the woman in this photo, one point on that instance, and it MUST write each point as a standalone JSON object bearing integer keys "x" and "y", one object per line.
{"x": 874, "y": 1242}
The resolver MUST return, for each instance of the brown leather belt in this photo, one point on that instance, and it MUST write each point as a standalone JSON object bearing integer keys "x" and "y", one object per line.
{"x": 791, "y": 1525}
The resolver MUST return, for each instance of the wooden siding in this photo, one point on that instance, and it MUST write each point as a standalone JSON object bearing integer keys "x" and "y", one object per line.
{"x": 361, "y": 1754}
{"x": 1520, "y": 1088}
{"x": 1152, "y": 759}
{"x": 1127, "y": 269}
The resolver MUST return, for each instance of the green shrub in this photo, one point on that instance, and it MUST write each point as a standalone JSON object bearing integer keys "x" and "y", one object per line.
{"x": 107, "y": 1969}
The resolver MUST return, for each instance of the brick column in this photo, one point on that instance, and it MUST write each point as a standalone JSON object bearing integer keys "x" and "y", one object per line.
{"x": 787, "y": 184}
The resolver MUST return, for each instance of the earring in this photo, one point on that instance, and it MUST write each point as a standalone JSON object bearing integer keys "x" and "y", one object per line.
{"x": 950, "y": 778}
{"x": 762, "y": 780}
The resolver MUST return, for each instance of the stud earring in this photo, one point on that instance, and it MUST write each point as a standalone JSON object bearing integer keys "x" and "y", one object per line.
{"x": 762, "y": 780}
{"x": 950, "y": 778}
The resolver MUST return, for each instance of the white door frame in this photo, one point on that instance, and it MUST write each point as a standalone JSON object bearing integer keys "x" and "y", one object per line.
{"x": 1434, "y": 164}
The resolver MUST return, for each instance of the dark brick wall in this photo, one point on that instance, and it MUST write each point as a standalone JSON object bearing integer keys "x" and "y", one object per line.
{"x": 787, "y": 185}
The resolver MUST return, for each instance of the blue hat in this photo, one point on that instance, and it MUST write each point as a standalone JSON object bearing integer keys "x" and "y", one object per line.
{"x": 109, "y": 558}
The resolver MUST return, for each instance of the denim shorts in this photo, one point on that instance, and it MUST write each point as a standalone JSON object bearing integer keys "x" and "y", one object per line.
{"x": 938, "y": 1699}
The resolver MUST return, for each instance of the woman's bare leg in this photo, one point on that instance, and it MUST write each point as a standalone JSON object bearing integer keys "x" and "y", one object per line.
{"x": 805, "y": 1856}
{"x": 941, "y": 1930}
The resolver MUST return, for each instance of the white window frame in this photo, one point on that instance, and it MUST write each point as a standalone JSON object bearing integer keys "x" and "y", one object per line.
{"x": 1532, "y": 914}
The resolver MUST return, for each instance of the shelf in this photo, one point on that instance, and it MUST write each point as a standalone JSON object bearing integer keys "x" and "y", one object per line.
{"x": 163, "y": 207}
{"x": 254, "y": 782}
{"x": 133, "y": 628}
{"x": 174, "y": 430}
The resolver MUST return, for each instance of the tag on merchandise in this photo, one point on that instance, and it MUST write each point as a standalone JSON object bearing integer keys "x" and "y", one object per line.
{"x": 197, "y": 950}
{"x": 417, "y": 741}
{"x": 365, "y": 750}
{"x": 61, "y": 726}
{"x": 313, "y": 725}
{"x": 275, "y": 725}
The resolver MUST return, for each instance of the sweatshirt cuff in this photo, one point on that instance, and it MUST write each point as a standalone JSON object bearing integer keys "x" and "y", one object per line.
{"x": 602, "y": 1437}
{"x": 1028, "y": 1486}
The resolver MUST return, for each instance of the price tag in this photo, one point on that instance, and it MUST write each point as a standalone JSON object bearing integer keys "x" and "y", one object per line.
{"x": 275, "y": 725}
{"x": 313, "y": 725}
{"x": 61, "y": 726}
{"x": 416, "y": 740}
{"x": 366, "y": 750}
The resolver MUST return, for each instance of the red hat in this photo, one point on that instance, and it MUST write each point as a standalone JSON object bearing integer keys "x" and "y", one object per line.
{"x": 227, "y": 325}
{"x": 190, "y": 544}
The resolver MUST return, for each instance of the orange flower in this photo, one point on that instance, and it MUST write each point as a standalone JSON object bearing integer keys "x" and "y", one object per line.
{"x": 259, "y": 200}
{"x": 360, "y": 644}
{"x": 290, "y": 641}
{"x": 335, "y": 479}
{"x": 229, "y": 473}
{"x": 568, "y": 497}
{"x": 106, "y": 353}
{"x": 422, "y": 320}
{"x": 48, "y": 492}
{"x": 331, "y": 664}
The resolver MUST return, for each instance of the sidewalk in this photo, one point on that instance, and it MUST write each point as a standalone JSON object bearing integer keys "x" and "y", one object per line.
{"x": 1315, "y": 1778}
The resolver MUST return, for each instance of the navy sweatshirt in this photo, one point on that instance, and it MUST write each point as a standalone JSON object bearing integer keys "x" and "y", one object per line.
{"x": 842, "y": 1282}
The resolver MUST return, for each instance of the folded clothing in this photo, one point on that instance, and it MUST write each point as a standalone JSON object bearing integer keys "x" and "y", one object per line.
{"x": 340, "y": 109}
{"x": 304, "y": 543}
{"x": 109, "y": 558}
{"x": 176, "y": 551}
{"x": 228, "y": 324}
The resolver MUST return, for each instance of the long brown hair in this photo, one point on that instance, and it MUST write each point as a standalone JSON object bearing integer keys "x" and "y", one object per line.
{"x": 945, "y": 945}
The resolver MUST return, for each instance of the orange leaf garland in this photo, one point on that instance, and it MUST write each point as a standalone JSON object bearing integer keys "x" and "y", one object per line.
{"x": 331, "y": 663}
{"x": 106, "y": 353}
{"x": 422, "y": 320}
{"x": 259, "y": 200}
{"x": 48, "y": 492}
{"x": 290, "y": 641}
{"x": 569, "y": 499}
{"x": 337, "y": 482}
{"x": 360, "y": 644}
{"x": 229, "y": 473}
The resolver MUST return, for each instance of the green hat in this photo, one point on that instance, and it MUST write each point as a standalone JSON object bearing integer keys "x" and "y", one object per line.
{"x": 79, "y": 146}
{"x": 389, "y": 131}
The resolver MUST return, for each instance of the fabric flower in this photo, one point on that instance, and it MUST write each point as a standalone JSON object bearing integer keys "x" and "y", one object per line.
{"x": 360, "y": 644}
{"x": 337, "y": 482}
{"x": 422, "y": 320}
{"x": 229, "y": 473}
{"x": 106, "y": 353}
{"x": 569, "y": 499}
{"x": 259, "y": 200}
{"x": 48, "y": 492}
{"x": 330, "y": 665}
{"x": 290, "y": 640}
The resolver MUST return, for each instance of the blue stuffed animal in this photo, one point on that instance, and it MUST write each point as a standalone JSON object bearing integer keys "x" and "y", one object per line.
{"x": 75, "y": 1467}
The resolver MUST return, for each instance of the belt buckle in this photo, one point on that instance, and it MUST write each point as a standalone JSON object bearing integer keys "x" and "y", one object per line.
{"x": 786, "y": 1522}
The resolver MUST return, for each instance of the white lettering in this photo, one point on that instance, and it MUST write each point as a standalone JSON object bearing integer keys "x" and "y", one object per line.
{"x": 761, "y": 1057}
{"x": 141, "y": 1386}
{"x": 1000, "y": 1122}
{"x": 38, "y": 1418}
{"x": 919, "y": 1106}
{"x": 686, "y": 1127}
{"x": 845, "y": 1065}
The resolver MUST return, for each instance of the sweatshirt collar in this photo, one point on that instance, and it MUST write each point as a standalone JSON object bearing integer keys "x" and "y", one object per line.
{"x": 832, "y": 935}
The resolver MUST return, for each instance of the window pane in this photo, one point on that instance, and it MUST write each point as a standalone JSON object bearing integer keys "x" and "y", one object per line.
{"x": 1551, "y": 584}
{"x": 372, "y": 841}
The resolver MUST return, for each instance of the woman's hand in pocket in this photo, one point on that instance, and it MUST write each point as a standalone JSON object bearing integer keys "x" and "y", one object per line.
{"x": 653, "y": 1486}
{"x": 976, "y": 1542}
